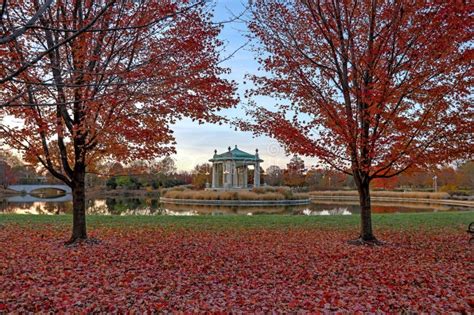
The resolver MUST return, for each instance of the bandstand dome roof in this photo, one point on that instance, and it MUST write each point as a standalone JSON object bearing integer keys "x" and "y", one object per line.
{"x": 235, "y": 155}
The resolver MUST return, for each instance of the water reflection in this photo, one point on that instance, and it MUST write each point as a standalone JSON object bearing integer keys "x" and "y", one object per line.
{"x": 38, "y": 198}
{"x": 35, "y": 207}
{"x": 335, "y": 211}
{"x": 152, "y": 206}
{"x": 124, "y": 206}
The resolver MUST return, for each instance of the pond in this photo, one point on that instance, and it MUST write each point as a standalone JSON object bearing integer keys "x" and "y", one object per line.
{"x": 153, "y": 206}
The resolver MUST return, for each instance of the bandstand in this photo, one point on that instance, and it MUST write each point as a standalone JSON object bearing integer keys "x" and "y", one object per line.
{"x": 230, "y": 169}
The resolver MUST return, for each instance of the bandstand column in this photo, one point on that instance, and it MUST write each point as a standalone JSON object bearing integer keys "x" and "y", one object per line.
{"x": 245, "y": 176}
{"x": 214, "y": 175}
{"x": 224, "y": 176}
{"x": 228, "y": 175}
{"x": 256, "y": 173}
{"x": 235, "y": 182}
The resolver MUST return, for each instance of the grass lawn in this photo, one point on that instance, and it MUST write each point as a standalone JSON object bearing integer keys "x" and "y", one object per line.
{"x": 426, "y": 220}
{"x": 237, "y": 263}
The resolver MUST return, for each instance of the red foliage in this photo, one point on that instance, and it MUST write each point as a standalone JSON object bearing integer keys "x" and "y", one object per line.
{"x": 385, "y": 183}
{"x": 234, "y": 270}
{"x": 115, "y": 89}
{"x": 373, "y": 88}
{"x": 118, "y": 86}
{"x": 7, "y": 176}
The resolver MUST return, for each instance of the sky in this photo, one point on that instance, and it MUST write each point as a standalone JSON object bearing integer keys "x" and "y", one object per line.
{"x": 196, "y": 143}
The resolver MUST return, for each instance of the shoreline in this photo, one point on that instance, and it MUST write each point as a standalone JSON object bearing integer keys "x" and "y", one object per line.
{"x": 8, "y": 193}
{"x": 447, "y": 202}
{"x": 238, "y": 202}
{"x": 98, "y": 193}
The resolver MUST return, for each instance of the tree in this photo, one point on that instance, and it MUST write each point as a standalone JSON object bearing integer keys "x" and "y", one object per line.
{"x": 446, "y": 175}
{"x": 294, "y": 175}
{"x": 314, "y": 178}
{"x": 20, "y": 19}
{"x": 296, "y": 165}
{"x": 11, "y": 32}
{"x": 7, "y": 175}
{"x": 274, "y": 176}
{"x": 16, "y": 171}
{"x": 201, "y": 175}
{"x": 111, "y": 182}
{"x": 184, "y": 177}
{"x": 113, "y": 90}
{"x": 128, "y": 182}
{"x": 465, "y": 175}
{"x": 115, "y": 168}
{"x": 385, "y": 183}
{"x": 416, "y": 178}
{"x": 318, "y": 178}
{"x": 372, "y": 88}
{"x": 166, "y": 166}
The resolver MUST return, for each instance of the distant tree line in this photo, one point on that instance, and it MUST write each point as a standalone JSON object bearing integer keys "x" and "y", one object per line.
{"x": 14, "y": 171}
{"x": 151, "y": 175}
{"x": 446, "y": 178}
{"x": 296, "y": 175}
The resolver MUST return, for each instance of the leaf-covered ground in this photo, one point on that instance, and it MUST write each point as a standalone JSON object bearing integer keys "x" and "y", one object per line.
{"x": 249, "y": 264}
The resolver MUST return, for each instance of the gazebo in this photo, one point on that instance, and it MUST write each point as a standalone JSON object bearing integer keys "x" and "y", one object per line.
{"x": 229, "y": 169}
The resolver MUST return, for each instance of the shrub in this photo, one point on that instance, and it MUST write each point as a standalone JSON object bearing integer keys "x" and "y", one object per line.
{"x": 247, "y": 195}
{"x": 448, "y": 188}
{"x": 111, "y": 183}
{"x": 259, "y": 190}
{"x": 155, "y": 184}
{"x": 228, "y": 195}
{"x": 458, "y": 193}
{"x": 288, "y": 194}
{"x": 272, "y": 196}
{"x": 231, "y": 195}
{"x": 282, "y": 190}
{"x": 300, "y": 196}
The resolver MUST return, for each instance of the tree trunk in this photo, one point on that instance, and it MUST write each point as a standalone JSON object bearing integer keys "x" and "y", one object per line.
{"x": 79, "y": 231}
{"x": 366, "y": 233}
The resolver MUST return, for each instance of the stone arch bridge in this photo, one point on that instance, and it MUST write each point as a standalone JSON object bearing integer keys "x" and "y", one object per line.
{"x": 31, "y": 188}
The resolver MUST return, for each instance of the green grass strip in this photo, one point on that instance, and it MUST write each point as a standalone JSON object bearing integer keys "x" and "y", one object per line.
{"x": 402, "y": 221}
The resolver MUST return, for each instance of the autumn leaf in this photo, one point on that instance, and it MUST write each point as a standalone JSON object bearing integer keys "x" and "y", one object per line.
{"x": 246, "y": 270}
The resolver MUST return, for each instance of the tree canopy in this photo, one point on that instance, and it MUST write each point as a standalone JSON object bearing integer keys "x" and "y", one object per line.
{"x": 114, "y": 89}
{"x": 373, "y": 87}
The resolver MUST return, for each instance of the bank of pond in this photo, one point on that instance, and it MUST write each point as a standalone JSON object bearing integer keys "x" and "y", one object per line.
{"x": 153, "y": 206}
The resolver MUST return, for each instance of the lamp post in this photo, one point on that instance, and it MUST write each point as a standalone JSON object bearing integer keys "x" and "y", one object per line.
{"x": 435, "y": 183}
